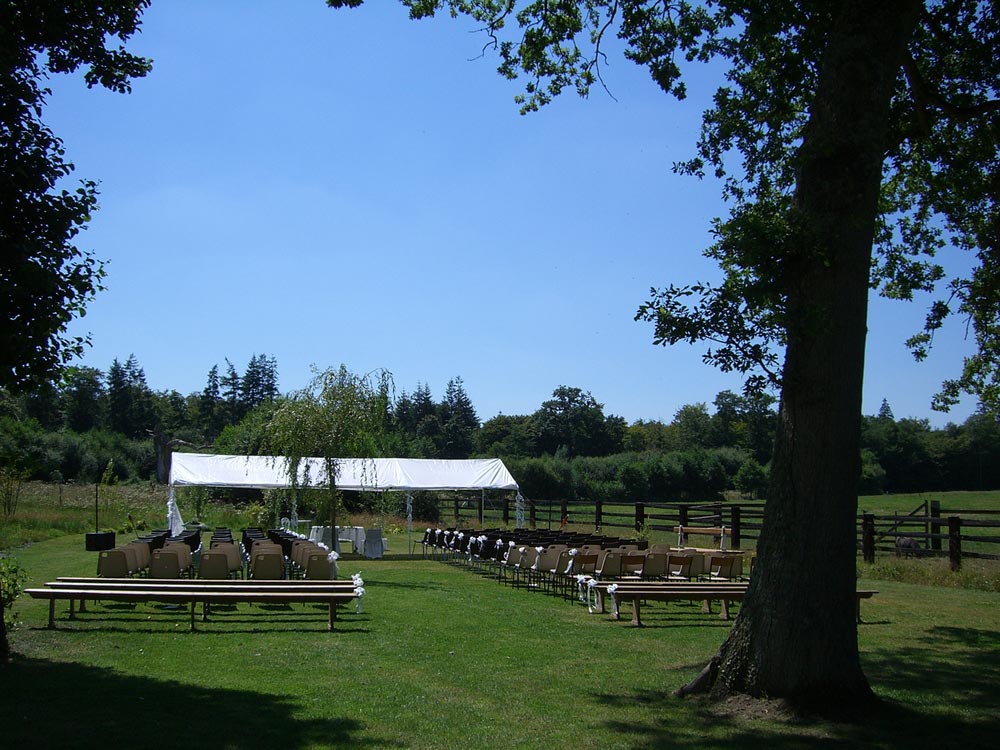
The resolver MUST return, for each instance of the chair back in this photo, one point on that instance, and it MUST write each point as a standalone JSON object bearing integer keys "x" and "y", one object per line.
{"x": 585, "y": 563}
{"x": 268, "y": 566}
{"x": 679, "y": 567}
{"x": 548, "y": 558}
{"x": 318, "y": 566}
{"x": 165, "y": 564}
{"x": 112, "y": 563}
{"x": 611, "y": 567}
{"x": 632, "y": 563}
{"x": 721, "y": 568}
{"x": 529, "y": 558}
{"x": 183, "y": 550}
{"x": 655, "y": 565}
{"x": 232, "y": 553}
{"x": 513, "y": 557}
{"x": 213, "y": 565}
{"x": 562, "y": 563}
{"x": 142, "y": 554}
{"x": 131, "y": 557}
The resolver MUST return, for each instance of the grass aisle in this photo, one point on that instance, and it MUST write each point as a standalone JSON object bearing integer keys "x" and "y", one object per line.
{"x": 443, "y": 658}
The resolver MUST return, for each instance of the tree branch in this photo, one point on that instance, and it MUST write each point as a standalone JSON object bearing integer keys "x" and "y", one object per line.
{"x": 924, "y": 95}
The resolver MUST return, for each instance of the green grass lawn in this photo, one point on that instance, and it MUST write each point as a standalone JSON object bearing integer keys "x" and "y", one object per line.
{"x": 441, "y": 657}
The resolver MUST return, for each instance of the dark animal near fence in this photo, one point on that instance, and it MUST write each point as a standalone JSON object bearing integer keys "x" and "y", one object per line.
{"x": 907, "y": 546}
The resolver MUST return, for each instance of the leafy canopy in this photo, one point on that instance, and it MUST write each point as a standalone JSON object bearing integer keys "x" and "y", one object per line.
{"x": 45, "y": 279}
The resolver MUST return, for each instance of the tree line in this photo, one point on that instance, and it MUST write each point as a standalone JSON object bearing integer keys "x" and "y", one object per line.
{"x": 568, "y": 448}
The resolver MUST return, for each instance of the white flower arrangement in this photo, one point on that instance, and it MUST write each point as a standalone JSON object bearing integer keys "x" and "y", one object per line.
{"x": 614, "y": 602}
{"x": 592, "y": 595}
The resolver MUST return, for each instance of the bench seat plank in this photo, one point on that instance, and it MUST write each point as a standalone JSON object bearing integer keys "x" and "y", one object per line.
{"x": 195, "y": 594}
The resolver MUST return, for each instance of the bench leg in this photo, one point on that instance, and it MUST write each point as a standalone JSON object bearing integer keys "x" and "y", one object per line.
{"x": 635, "y": 613}
{"x": 706, "y": 607}
{"x": 83, "y": 604}
{"x": 72, "y": 609}
{"x": 724, "y": 609}
{"x": 333, "y": 615}
{"x": 52, "y": 613}
{"x": 192, "y": 616}
{"x": 600, "y": 601}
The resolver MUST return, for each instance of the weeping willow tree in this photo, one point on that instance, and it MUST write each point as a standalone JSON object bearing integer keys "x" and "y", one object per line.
{"x": 338, "y": 415}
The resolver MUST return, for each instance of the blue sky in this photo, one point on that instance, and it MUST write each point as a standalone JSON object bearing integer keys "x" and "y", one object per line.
{"x": 353, "y": 187}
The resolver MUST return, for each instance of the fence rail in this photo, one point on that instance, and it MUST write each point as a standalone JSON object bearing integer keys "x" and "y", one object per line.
{"x": 742, "y": 520}
{"x": 933, "y": 533}
{"x": 927, "y": 530}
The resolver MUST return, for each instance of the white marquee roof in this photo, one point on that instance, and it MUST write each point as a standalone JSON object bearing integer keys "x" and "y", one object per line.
{"x": 375, "y": 474}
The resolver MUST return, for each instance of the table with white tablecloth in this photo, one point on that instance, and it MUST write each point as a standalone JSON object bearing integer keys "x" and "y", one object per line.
{"x": 353, "y": 534}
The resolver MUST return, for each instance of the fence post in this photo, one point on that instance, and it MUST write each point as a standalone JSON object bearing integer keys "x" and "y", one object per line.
{"x": 506, "y": 511}
{"x": 682, "y": 520}
{"x": 458, "y": 518}
{"x": 868, "y": 537}
{"x": 482, "y": 510}
{"x": 532, "y": 515}
{"x": 955, "y": 542}
{"x": 598, "y": 510}
{"x": 935, "y": 526}
{"x": 640, "y": 515}
{"x": 734, "y": 528}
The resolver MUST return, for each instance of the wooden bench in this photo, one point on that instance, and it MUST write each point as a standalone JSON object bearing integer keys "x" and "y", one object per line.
{"x": 636, "y": 592}
{"x": 205, "y": 592}
{"x": 713, "y": 531}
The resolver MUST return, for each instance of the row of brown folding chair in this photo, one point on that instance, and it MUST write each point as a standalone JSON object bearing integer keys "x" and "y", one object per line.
{"x": 124, "y": 561}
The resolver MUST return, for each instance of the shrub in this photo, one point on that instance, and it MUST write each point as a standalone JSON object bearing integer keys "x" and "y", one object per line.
{"x": 12, "y": 578}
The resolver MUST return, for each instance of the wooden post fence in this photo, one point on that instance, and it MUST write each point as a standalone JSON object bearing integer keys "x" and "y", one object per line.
{"x": 935, "y": 526}
{"x": 955, "y": 542}
{"x": 868, "y": 537}
{"x": 734, "y": 521}
{"x": 640, "y": 515}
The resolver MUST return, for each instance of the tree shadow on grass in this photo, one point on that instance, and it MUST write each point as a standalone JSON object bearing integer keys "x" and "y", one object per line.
{"x": 943, "y": 694}
{"x": 51, "y": 704}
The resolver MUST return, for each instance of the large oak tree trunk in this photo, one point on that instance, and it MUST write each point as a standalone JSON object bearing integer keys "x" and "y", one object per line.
{"x": 796, "y": 635}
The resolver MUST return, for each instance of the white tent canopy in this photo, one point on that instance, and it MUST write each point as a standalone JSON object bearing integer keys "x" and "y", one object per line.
{"x": 371, "y": 474}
